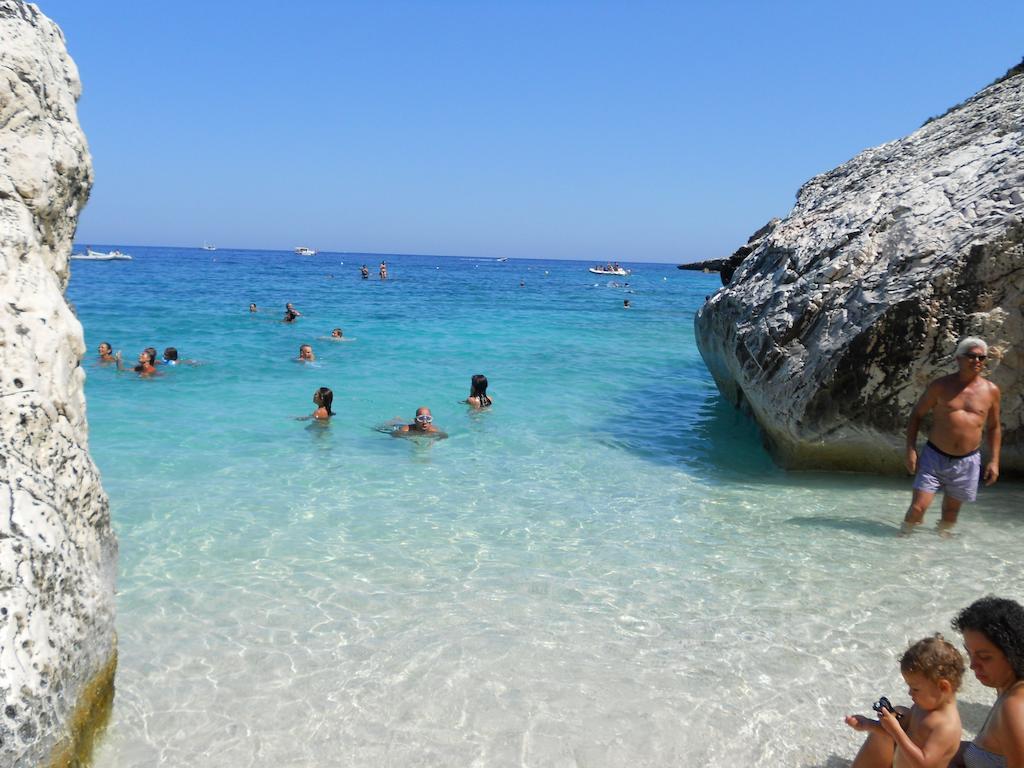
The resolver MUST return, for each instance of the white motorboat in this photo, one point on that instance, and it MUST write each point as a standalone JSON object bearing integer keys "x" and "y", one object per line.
{"x": 91, "y": 255}
{"x": 208, "y": 247}
{"x": 617, "y": 272}
{"x": 503, "y": 259}
{"x": 304, "y": 251}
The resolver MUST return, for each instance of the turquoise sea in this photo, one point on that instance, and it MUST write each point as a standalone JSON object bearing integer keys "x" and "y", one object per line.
{"x": 605, "y": 569}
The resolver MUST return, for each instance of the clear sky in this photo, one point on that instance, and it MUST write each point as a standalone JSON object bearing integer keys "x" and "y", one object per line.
{"x": 631, "y": 131}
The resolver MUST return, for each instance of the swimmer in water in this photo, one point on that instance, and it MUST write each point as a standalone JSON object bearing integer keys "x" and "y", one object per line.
{"x": 625, "y": 304}
{"x": 383, "y": 270}
{"x": 171, "y": 358}
{"x": 423, "y": 424}
{"x": 478, "y": 392}
{"x": 306, "y": 354}
{"x": 291, "y": 314}
{"x": 339, "y": 335}
{"x": 146, "y": 366}
{"x": 323, "y": 398}
{"x": 252, "y": 308}
{"x": 106, "y": 353}
{"x": 364, "y": 272}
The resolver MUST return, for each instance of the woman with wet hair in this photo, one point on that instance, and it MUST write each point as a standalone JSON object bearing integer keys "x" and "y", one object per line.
{"x": 993, "y": 630}
{"x": 323, "y": 398}
{"x": 478, "y": 392}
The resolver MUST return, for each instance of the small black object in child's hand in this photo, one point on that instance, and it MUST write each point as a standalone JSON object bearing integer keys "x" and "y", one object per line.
{"x": 884, "y": 703}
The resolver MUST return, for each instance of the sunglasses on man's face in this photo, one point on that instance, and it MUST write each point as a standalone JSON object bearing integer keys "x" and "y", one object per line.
{"x": 976, "y": 357}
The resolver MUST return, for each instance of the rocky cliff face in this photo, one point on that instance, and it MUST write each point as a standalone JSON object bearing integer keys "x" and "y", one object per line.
{"x": 838, "y": 316}
{"x": 57, "y": 552}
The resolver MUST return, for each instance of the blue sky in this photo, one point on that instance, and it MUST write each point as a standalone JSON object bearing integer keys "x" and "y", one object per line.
{"x": 633, "y": 131}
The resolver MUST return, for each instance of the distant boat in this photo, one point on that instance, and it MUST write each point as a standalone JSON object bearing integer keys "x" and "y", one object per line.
{"x": 91, "y": 255}
{"x": 304, "y": 251}
{"x": 208, "y": 247}
{"x": 618, "y": 272}
{"x": 503, "y": 259}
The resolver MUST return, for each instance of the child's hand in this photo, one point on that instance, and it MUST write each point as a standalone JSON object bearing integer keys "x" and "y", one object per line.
{"x": 887, "y": 719}
{"x": 861, "y": 723}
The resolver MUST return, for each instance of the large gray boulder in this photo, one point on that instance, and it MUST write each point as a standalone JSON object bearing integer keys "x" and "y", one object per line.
{"x": 837, "y": 317}
{"x": 57, "y": 552}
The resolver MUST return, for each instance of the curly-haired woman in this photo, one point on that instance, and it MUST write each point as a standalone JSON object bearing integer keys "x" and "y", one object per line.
{"x": 993, "y": 630}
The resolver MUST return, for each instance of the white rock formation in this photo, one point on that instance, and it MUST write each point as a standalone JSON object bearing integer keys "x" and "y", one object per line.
{"x": 837, "y": 317}
{"x": 57, "y": 552}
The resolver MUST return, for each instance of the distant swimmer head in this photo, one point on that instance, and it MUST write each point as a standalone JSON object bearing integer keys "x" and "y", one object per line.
{"x": 104, "y": 348}
{"x": 147, "y": 360}
{"x": 306, "y": 353}
{"x": 170, "y": 354}
{"x": 424, "y": 420}
{"x": 337, "y": 333}
{"x": 478, "y": 391}
{"x": 252, "y": 308}
{"x": 324, "y": 397}
{"x": 626, "y": 304}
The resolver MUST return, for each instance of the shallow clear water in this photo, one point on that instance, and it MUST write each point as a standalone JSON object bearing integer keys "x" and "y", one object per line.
{"x": 604, "y": 569}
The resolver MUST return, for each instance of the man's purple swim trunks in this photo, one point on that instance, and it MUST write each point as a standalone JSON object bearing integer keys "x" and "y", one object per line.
{"x": 957, "y": 475}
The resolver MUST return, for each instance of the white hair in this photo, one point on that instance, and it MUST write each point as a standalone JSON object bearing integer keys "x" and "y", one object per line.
{"x": 966, "y": 345}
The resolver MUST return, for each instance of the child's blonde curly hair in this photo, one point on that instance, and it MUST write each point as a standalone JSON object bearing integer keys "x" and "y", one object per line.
{"x": 936, "y": 659}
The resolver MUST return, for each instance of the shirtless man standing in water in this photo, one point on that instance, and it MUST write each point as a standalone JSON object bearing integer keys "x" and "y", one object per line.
{"x": 964, "y": 405}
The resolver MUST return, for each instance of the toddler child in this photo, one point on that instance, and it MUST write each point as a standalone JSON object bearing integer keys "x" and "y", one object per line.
{"x": 928, "y": 734}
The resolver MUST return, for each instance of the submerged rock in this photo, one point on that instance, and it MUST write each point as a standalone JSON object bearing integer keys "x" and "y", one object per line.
{"x": 837, "y": 317}
{"x": 57, "y": 552}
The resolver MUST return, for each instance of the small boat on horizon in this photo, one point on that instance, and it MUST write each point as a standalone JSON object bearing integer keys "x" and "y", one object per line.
{"x": 503, "y": 259}
{"x": 617, "y": 271}
{"x": 208, "y": 247}
{"x": 304, "y": 251}
{"x": 91, "y": 255}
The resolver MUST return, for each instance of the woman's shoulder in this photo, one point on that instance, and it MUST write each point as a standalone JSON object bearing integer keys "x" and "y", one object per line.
{"x": 1013, "y": 703}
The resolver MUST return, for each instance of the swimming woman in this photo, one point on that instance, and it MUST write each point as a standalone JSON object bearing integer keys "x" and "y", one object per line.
{"x": 146, "y": 366}
{"x": 106, "y": 353}
{"x": 323, "y": 398}
{"x": 478, "y": 392}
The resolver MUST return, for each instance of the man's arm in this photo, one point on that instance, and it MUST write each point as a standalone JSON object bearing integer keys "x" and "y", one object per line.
{"x": 994, "y": 438}
{"x": 924, "y": 405}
